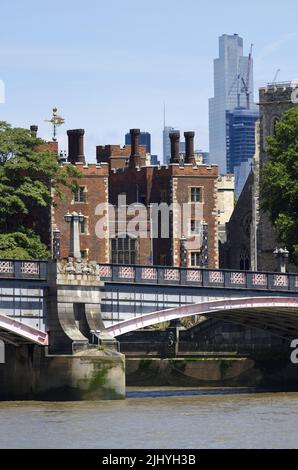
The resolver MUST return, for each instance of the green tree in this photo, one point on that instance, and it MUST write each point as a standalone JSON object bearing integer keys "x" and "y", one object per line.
{"x": 280, "y": 181}
{"x": 28, "y": 173}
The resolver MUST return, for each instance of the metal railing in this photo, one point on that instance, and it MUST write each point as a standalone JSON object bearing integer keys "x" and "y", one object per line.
{"x": 226, "y": 279}
{"x": 218, "y": 278}
{"x": 23, "y": 269}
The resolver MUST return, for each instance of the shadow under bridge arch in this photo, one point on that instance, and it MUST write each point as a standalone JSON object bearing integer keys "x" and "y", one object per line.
{"x": 279, "y": 315}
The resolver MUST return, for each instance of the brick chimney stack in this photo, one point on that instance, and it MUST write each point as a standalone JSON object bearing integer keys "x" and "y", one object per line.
{"x": 76, "y": 146}
{"x": 135, "y": 143}
{"x": 175, "y": 151}
{"x": 189, "y": 147}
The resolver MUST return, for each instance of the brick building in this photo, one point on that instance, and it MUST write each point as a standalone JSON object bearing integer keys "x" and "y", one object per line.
{"x": 126, "y": 173}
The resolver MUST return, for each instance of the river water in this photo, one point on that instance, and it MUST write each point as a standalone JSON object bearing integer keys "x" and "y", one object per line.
{"x": 162, "y": 419}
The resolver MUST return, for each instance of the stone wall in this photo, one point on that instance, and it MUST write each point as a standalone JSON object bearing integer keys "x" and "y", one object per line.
{"x": 29, "y": 373}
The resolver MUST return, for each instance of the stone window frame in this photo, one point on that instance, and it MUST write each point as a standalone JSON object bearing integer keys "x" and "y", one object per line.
{"x": 201, "y": 188}
{"x": 84, "y": 192}
{"x": 196, "y": 254}
{"x": 196, "y": 231}
{"x": 126, "y": 260}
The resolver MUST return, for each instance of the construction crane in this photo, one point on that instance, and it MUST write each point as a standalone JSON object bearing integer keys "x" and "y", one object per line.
{"x": 246, "y": 83}
{"x": 237, "y": 80}
{"x": 276, "y": 75}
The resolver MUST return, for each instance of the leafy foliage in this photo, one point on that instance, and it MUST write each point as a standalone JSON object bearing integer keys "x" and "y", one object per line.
{"x": 22, "y": 245}
{"x": 280, "y": 180}
{"x": 28, "y": 172}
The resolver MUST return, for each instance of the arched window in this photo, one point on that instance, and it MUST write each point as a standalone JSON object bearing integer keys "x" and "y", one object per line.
{"x": 274, "y": 121}
{"x": 2, "y": 352}
{"x": 244, "y": 259}
{"x": 246, "y": 224}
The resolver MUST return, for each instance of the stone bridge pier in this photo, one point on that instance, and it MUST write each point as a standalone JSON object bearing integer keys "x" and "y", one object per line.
{"x": 69, "y": 356}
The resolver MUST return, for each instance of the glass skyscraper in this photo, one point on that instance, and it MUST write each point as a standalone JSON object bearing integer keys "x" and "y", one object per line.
{"x": 240, "y": 143}
{"x": 145, "y": 139}
{"x": 230, "y": 74}
{"x": 167, "y": 144}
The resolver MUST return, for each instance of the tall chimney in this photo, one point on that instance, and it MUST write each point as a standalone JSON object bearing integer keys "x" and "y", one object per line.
{"x": 33, "y": 130}
{"x": 135, "y": 142}
{"x": 189, "y": 147}
{"x": 76, "y": 146}
{"x": 175, "y": 151}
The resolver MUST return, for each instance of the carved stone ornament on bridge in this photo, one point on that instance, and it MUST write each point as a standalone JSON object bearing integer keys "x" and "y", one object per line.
{"x": 78, "y": 269}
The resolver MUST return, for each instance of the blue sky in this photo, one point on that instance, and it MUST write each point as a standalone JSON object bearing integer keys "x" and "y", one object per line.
{"x": 109, "y": 65}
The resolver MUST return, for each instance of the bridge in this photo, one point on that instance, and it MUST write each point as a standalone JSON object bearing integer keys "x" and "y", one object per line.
{"x": 279, "y": 314}
{"x": 140, "y": 296}
{"x": 127, "y": 298}
{"x": 53, "y": 315}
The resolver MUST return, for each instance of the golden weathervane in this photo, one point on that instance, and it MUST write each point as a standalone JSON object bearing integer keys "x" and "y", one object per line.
{"x": 56, "y": 121}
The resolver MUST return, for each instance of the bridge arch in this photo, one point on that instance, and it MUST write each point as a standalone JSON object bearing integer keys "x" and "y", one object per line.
{"x": 15, "y": 332}
{"x": 275, "y": 313}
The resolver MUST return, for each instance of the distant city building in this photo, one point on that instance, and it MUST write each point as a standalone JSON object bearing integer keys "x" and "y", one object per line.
{"x": 233, "y": 88}
{"x": 154, "y": 160}
{"x": 240, "y": 143}
{"x": 167, "y": 144}
{"x": 182, "y": 148}
{"x": 145, "y": 140}
{"x": 204, "y": 157}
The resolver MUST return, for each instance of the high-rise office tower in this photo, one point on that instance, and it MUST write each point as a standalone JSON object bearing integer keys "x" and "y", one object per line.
{"x": 233, "y": 88}
{"x": 145, "y": 139}
{"x": 167, "y": 144}
{"x": 240, "y": 144}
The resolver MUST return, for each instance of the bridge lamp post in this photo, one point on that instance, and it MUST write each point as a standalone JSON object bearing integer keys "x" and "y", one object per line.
{"x": 74, "y": 219}
{"x": 282, "y": 255}
{"x": 56, "y": 243}
{"x": 183, "y": 254}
